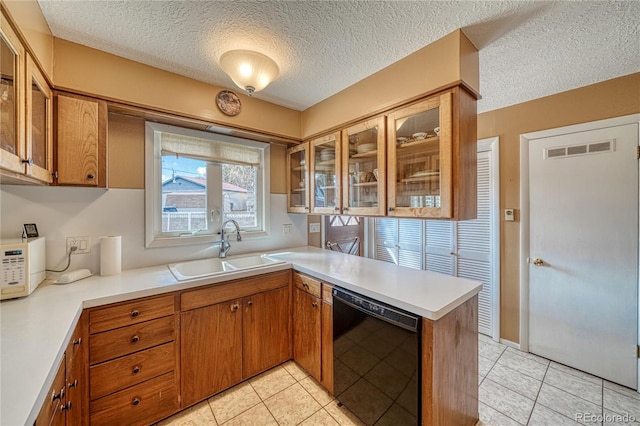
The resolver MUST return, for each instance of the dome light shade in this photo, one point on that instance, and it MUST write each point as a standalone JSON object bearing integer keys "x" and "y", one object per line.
{"x": 250, "y": 71}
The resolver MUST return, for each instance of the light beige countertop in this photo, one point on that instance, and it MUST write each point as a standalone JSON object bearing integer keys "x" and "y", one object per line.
{"x": 35, "y": 330}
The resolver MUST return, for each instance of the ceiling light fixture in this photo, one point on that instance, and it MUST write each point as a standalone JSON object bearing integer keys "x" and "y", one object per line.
{"x": 250, "y": 71}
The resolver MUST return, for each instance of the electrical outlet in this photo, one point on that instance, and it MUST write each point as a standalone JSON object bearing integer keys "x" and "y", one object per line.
{"x": 287, "y": 229}
{"x": 314, "y": 228}
{"x": 82, "y": 243}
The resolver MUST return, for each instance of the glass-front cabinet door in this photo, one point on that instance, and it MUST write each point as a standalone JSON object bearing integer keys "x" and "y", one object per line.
{"x": 297, "y": 179}
{"x": 11, "y": 100}
{"x": 363, "y": 168}
{"x": 325, "y": 174}
{"x": 39, "y": 122}
{"x": 419, "y": 144}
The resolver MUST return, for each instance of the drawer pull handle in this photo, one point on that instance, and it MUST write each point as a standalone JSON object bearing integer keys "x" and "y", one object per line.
{"x": 234, "y": 307}
{"x": 249, "y": 303}
{"x": 73, "y": 384}
{"x": 305, "y": 285}
{"x": 135, "y": 401}
{"x": 55, "y": 395}
{"x": 314, "y": 304}
{"x": 135, "y": 314}
{"x": 136, "y": 369}
{"x": 66, "y": 406}
{"x": 77, "y": 342}
{"x": 90, "y": 176}
{"x": 135, "y": 339}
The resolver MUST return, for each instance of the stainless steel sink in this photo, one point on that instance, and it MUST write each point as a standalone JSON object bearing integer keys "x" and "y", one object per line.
{"x": 193, "y": 269}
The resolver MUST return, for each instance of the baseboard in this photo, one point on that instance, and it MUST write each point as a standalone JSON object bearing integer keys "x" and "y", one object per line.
{"x": 510, "y": 344}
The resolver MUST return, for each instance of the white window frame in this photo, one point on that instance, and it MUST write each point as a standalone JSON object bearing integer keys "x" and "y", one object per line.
{"x": 154, "y": 237}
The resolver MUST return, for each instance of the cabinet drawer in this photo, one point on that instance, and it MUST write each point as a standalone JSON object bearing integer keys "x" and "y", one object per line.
{"x": 307, "y": 283}
{"x": 233, "y": 290}
{"x": 130, "y": 313}
{"x": 123, "y": 341}
{"x": 142, "y": 404}
{"x": 129, "y": 370}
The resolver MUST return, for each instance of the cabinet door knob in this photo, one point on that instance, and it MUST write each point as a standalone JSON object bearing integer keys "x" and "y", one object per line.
{"x": 55, "y": 395}
{"x": 135, "y": 313}
{"x": 234, "y": 307}
{"x": 136, "y": 369}
{"x": 77, "y": 341}
{"x": 91, "y": 176}
{"x": 135, "y": 339}
{"x": 249, "y": 303}
{"x": 305, "y": 285}
{"x": 28, "y": 161}
{"x": 73, "y": 384}
{"x": 135, "y": 401}
{"x": 66, "y": 406}
{"x": 314, "y": 304}
{"x": 390, "y": 209}
{"x": 345, "y": 209}
{"x": 306, "y": 207}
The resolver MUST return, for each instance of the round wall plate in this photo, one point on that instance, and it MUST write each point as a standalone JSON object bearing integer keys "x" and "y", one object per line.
{"x": 229, "y": 103}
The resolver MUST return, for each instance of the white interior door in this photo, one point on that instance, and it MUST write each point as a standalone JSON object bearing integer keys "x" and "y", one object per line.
{"x": 583, "y": 247}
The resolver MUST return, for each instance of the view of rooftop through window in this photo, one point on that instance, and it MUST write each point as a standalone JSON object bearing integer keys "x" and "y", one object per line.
{"x": 184, "y": 194}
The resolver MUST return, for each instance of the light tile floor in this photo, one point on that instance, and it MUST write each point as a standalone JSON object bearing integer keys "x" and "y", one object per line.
{"x": 515, "y": 389}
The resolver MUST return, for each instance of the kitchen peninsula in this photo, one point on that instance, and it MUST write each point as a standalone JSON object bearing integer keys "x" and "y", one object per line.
{"x": 37, "y": 329}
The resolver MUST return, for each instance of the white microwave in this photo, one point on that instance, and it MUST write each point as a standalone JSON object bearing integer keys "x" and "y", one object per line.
{"x": 23, "y": 266}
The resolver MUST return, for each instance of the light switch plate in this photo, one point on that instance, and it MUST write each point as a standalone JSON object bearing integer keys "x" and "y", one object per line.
{"x": 509, "y": 215}
{"x": 82, "y": 243}
{"x": 314, "y": 228}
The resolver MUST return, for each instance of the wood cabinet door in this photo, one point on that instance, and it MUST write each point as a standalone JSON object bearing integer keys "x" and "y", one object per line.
{"x": 298, "y": 179}
{"x": 325, "y": 173}
{"x": 51, "y": 412}
{"x": 267, "y": 331}
{"x": 77, "y": 360}
{"x": 211, "y": 344}
{"x": 12, "y": 106}
{"x": 326, "y": 374}
{"x": 39, "y": 107}
{"x": 306, "y": 332}
{"x": 80, "y": 141}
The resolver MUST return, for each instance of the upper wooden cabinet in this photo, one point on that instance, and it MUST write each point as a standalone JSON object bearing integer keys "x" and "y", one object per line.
{"x": 363, "y": 168}
{"x": 432, "y": 158}
{"x": 298, "y": 179}
{"x": 12, "y": 63}
{"x": 81, "y": 140}
{"x": 325, "y": 174}
{"x": 39, "y": 125}
{"x": 418, "y": 161}
{"x": 26, "y": 136}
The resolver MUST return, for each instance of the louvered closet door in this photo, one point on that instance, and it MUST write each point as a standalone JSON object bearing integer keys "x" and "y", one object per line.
{"x": 474, "y": 246}
{"x": 439, "y": 246}
{"x": 399, "y": 241}
{"x": 386, "y": 240}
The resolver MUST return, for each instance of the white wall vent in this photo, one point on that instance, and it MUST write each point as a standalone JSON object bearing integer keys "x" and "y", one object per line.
{"x": 573, "y": 150}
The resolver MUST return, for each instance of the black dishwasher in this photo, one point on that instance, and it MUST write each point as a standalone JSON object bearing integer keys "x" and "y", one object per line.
{"x": 377, "y": 353}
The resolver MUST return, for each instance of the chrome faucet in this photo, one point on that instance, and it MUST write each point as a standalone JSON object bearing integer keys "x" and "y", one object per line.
{"x": 225, "y": 245}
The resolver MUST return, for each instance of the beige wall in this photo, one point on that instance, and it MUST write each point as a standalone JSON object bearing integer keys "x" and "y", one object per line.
{"x": 34, "y": 30}
{"x": 442, "y": 63}
{"x": 613, "y": 98}
{"x": 125, "y": 157}
{"x": 90, "y": 71}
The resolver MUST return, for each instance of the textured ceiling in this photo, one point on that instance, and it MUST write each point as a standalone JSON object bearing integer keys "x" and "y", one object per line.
{"x": 527, "y": 49}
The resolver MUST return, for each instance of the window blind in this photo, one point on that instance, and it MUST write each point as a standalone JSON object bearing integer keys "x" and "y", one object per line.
{"x": 207, "y": 150}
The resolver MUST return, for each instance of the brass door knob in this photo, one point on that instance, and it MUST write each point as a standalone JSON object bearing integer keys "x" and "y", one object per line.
{"x": 537, "y": 262}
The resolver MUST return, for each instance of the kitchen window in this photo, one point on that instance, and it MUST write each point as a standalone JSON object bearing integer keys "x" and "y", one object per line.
{"x": 195, "y": 180}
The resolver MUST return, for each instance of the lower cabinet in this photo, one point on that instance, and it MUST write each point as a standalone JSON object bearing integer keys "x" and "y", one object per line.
{"x": 133, "y": 358}
{"x": 307, "y": 332}
{"x": 53, "y": 410}
{"x": 211, "y": 350}
{"x": 242, "y": 332}
{"x": 313, "y": 328}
